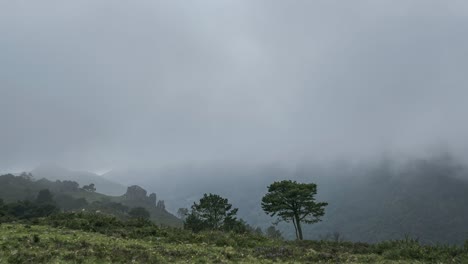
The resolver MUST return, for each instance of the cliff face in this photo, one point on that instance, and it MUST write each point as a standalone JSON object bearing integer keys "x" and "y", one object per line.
{"x": 152, "y": 198}
{"x": 135, "y": 192}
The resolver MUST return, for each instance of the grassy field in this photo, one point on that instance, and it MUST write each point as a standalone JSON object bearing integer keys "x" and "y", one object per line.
{"x": 22, "y": 243}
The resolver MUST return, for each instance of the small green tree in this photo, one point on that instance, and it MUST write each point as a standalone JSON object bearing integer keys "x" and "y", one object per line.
{"x": 212, "y": 212}
{"x": 69, "y": 186}
{"x": 89, "y": 188}
{"x": 194, "y": 223}
{"x": 293, "y": 202}
{"x": 68, "y": 202}
{"x": 139, "y": 212}
{"x": 274, "y": 233}
{"x": 117, "y": 207}
{"x": 258, "y": 231}
{"x": 238, "y": 226}
{"x": 2, "y": 209}
{"x": 45, "y": 197}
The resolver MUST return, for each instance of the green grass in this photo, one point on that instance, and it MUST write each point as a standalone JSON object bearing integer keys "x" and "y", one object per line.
{"x": 43, "y": 244}
{"x": 22, "y": 243}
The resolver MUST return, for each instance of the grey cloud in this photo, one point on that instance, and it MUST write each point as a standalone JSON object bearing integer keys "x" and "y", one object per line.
{"x": 105, "y": 84}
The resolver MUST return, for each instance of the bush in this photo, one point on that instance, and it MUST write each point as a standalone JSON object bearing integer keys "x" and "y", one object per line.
{"x": 410, "y": 249}
{"x": 28, "y": 210}
{"x": 139, "y": 212}
{"x": 104, "y": 224}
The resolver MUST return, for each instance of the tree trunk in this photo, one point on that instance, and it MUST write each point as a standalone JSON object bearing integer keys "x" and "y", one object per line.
{"x": 295, "y": 227}
{"x": 299, "y": 228}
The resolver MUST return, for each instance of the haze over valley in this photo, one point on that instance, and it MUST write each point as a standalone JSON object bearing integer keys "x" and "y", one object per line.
{"x": 136, "y": 110}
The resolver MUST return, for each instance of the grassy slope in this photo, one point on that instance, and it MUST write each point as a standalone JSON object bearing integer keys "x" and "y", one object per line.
{"x": 44, "y": 244}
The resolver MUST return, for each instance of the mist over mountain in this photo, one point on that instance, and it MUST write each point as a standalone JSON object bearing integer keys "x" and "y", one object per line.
{"x": 102, "y": 184}
{"x": 370, "y": 202}
{"x": 367, "y": 99}
{"x": 103, "y": 85}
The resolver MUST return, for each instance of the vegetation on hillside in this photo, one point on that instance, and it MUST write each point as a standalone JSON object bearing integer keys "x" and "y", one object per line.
{"x": 41, "y": 230}
{"x": 96, "y": 238}
{"x": 68, "y": 196}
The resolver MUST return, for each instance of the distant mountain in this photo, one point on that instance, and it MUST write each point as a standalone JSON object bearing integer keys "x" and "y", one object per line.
{"x": 102, "y": 184}
{"x": 368, "y": 202}
{"x": 69, "y": 197}
{"x": 182, "y": 185}
{"x": 424, "y": 199}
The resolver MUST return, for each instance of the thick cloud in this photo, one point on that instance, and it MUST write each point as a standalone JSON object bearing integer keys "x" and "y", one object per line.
{"x": 105, "y": 84}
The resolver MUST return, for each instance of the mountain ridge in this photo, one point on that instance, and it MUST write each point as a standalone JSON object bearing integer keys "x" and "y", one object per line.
{"x": 102, "y": 184}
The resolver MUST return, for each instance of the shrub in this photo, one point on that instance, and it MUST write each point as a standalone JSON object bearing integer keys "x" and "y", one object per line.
{"x": 139, "y": 212}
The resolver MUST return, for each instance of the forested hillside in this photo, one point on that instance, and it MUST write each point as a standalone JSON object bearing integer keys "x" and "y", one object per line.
{"x": 69, "y": 196}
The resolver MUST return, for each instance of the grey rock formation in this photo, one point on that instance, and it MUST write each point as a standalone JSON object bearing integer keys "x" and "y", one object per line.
{"x": 137, "y": 193}
{"x": 152, "y": 198}
{"x": 161, "y": 205}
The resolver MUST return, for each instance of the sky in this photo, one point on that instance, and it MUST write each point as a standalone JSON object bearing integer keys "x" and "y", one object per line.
{"x": 98, "y": 85}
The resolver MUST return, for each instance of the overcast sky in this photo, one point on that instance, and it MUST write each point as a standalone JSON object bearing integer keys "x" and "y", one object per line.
{"x": 104, "y": 84}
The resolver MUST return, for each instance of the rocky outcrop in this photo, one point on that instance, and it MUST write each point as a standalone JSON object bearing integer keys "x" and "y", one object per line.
{"x": 136, "y": 193}
{"x": 161, "y": 205}
{"x": 152, "y": 198}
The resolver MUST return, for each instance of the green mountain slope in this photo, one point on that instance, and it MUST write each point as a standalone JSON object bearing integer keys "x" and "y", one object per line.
{"x": 15, "y": 188}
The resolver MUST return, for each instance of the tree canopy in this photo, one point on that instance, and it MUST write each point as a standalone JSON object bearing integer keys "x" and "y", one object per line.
{"x": 212, "y": 212}
{"x": 90, "y": 188}
{"x": 274, "y": 233}
{"x": 139, "y": 212}
{"x": 45, "y": 197}
{"x": 293, "y": 202}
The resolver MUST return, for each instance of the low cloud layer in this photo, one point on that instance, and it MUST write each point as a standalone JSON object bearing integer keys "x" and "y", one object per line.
{"x": 105, "y": 84}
